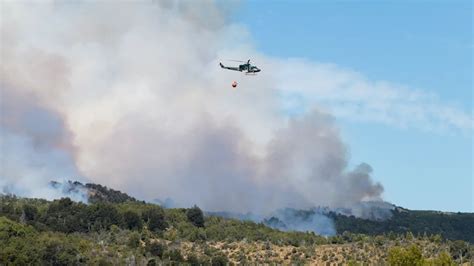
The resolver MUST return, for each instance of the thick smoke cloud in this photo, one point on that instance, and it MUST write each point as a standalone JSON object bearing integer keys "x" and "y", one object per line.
{"x": 129, "y": 95}
{"x": 35, "y": 145}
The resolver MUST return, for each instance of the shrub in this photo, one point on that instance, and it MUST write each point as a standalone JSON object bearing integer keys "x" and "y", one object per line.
{"x": 193, "y": 260}
{"x": 156, "y": 249}
{"x": 401, "y": 256}
{"x": 219, "y": 260}
{"x": 134, "y": 240}
{"x": 173, "y": 255}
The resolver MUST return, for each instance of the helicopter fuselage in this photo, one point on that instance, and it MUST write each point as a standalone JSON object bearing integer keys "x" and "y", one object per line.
{"x": 247, "y": 68}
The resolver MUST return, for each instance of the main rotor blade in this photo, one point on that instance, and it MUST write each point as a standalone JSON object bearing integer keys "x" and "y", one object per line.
{"x": 235, "y": 60}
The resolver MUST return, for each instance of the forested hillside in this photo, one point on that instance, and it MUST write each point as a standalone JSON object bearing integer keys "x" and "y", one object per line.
{"x": 453, "y": 226}
{"x": 111, "y": 231}
{"x": 449, "y": 225}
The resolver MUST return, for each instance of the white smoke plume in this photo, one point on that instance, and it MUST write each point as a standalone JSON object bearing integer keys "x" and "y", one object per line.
{"x": 299, "y": 220}
{"x": 35, "y": 146}
{"x": 130, "y": 95}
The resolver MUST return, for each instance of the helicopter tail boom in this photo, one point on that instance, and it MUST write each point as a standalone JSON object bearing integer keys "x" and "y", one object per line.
{"x": 230, "y": 68}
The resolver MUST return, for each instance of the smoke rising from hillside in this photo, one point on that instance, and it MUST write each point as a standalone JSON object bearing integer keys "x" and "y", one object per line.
{"x": 35, "y": 145}
{"x": 130, "y": 95}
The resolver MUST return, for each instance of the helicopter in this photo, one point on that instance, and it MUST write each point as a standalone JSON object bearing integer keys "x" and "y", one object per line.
{"x": 247, "y": 67}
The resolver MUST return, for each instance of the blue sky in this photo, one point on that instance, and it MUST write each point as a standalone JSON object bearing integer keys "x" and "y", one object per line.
{"x": 425, "y": 45}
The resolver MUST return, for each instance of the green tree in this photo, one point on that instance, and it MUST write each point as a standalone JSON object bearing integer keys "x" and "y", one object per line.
{"x": 101, "y": 216}
{"x": 30, "y": 211}
{"x": 132, "y": 220}
{"x": 155, "y": 219}
{"x": 65, "y": 215}
{"x": 195, "y": 216}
